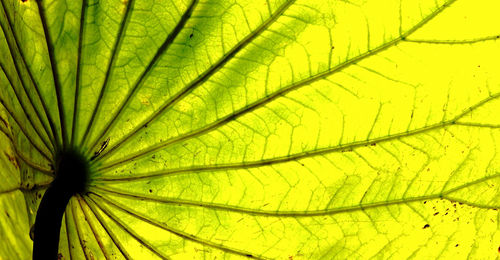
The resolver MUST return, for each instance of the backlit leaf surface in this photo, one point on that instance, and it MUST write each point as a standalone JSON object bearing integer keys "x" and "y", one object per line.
{"x": 272, "y": 129}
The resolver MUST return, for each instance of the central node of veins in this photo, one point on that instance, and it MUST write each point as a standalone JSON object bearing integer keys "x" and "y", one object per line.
{"x": 72, "y": 173}
{"x": 72, "y": 177}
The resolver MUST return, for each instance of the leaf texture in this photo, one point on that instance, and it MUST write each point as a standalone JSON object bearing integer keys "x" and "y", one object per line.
{"x": 268, "y": 129}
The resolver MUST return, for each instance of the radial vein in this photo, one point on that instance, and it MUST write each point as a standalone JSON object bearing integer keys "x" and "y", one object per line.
{"x": 162, "y": 49}
{"x": 174, "y": 231}
{"x": 114, "y": 52}
{"x": 55, "y": 75}
{"x": 23, "y": 83}
{"x": 204, "y": 76}
{"x": 259, "y": 103}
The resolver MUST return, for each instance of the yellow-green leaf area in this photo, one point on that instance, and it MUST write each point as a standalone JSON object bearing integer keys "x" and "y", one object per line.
{"x": 267, "y": 129}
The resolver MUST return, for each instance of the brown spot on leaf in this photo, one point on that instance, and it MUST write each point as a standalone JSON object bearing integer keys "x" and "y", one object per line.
{"x": 145, "y": 100}
{"x": 12, "y": 159}
{"x": 426, "y": 226}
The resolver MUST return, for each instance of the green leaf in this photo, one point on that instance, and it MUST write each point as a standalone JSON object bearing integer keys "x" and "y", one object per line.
{"x": 271, "y": 129}
{"x": 13, "y": 216}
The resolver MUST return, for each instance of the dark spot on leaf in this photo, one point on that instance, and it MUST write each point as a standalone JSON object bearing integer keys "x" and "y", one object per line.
{"x": 425, "y": 201}
{"x": 32, "y": 232}
{"x": 499, "y": 249}
{"x": 7, "y": 213}
{"x": 12, "y": 159}
{"x": 456, "y": 245}
{"x": 333, "y": 47}
{"x": 426, "y": 226}
{"x": 436, "y": 213}
{"x": 150, "y": 190}
{"x": 191, "y": 36}
{"x": 374, "y": 144}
